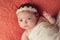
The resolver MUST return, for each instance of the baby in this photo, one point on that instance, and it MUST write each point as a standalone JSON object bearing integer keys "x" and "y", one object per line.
{"x": 35, "y": 28}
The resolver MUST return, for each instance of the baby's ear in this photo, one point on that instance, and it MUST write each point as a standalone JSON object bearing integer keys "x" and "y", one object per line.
{"x": 37, "y": 14}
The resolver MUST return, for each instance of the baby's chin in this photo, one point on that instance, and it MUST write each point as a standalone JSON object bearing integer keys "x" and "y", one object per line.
{"x": 28, "y": 28}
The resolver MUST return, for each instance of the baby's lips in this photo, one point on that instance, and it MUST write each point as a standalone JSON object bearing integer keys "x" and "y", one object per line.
{"x": 26, "y": 26}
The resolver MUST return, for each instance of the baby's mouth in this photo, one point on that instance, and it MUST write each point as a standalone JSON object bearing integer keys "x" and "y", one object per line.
{"x": 25, "y": 26}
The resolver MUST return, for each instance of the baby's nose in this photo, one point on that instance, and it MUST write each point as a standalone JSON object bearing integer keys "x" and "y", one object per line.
{"x": 25, "y": 21}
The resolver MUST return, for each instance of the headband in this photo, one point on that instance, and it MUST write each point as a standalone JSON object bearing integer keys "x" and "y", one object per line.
{"x": 26, "y": 8}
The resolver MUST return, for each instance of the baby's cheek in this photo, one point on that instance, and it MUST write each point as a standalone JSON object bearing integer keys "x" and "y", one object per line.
{"x": 32, "y": 22}
{"x": 21, "y": 24}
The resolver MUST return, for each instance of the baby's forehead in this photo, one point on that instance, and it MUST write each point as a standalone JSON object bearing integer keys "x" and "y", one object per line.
{"x": 25, "y": 14}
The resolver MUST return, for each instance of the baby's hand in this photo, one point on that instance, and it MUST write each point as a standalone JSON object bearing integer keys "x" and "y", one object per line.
{"x": 49, "y": 17}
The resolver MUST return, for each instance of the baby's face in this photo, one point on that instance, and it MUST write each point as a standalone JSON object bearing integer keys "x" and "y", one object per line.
{"x": 27, "y": 20}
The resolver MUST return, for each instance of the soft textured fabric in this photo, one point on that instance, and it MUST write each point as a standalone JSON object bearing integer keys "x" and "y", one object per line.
{"x": 9, "y": 28}
{"x": 58, "y": 21}
{"x": 42, "y": 31}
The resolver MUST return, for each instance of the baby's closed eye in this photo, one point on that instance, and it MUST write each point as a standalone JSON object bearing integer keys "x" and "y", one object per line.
{"x": 29, "y": 18}
{"x": 20, "y": 20}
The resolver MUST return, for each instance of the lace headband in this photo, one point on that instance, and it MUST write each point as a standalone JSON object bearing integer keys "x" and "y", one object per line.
{"x": 26, "y": 8}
